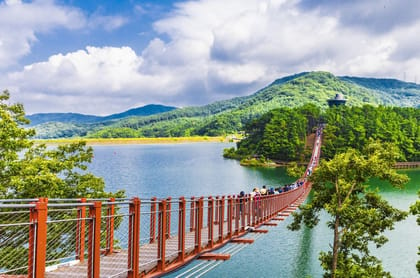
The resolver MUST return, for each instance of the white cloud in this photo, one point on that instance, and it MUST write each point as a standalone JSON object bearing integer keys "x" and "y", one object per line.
{"x": 21, "y": 22}
{"x": 92, "y": 80}
{"x": 213, "y": 49}
{"x": 109, "y": 23}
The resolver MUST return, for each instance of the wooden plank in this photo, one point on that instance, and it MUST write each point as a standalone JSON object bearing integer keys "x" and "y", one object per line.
{"x": 242, "y": 240}
{"x": 259, "y": 231}
{"x": 269, "y": 224}
{"x": 214, "y": 256}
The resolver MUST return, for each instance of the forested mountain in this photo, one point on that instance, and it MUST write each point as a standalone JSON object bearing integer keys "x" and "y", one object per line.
{"x": 229, "y": 116}
{"x": 41, "y": 118}
{"x": 278, "y": 135}
{"x": 76, "y": 118}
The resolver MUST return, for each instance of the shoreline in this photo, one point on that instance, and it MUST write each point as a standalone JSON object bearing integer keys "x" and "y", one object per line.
{"x": 137, "y": 141}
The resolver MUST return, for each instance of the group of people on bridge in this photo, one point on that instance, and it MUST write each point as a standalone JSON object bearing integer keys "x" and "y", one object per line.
{"x": 272, "y": 191}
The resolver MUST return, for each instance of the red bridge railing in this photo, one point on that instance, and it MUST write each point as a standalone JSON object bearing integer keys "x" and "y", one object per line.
{"x": 128, "y": 237}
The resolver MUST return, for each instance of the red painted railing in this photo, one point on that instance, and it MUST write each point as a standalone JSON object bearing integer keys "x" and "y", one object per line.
{"x": 130, "y": 237}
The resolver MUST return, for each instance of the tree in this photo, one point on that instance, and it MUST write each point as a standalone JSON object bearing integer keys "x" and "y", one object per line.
{"x": 29, "y": 170}
{"x": 415, "y": 209}
{"x": 359, "y": 215}
{"x": 279, "y": 135}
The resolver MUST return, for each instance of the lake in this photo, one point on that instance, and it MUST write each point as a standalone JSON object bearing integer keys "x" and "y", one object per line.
{"x": 198, "y": 169}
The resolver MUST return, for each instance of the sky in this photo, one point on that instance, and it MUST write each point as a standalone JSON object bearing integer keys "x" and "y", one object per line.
{"x": 103, "y": 57}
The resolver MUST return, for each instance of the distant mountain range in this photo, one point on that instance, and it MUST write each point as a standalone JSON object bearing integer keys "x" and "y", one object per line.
{"x": 147, "y": 110}
{"x": 229, "y": 116}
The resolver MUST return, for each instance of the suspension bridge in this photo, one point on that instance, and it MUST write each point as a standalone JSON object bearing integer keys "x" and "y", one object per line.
{"x": 134, "y": 237}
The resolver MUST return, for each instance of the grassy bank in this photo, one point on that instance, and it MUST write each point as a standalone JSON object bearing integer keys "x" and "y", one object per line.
{"x": 122, "y": 141}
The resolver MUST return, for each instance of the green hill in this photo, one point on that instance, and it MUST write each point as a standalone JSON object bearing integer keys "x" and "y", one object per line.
{"x": 229, "y": 116}
{"x": 76, "y": 118}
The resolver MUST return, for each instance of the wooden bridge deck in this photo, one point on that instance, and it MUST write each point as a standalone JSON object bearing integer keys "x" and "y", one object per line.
{"x": 115, "y": 265}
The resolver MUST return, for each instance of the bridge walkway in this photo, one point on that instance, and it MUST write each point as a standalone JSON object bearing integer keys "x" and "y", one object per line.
{"x": 132, "y": 237}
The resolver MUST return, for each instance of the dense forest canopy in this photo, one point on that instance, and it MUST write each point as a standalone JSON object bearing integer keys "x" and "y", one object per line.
{"x": 278, "y": 135}
{"x": 281, "y": 133}
{"x": 353, "y": 127}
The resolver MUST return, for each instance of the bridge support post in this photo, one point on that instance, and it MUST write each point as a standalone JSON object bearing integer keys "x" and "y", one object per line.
{"x": 199, "y": 224}
{"x": 168, "y": 217}
{"x": 181, "y": 229}
{"x": 248, "y": 209}
{"x": 162, "y": 236}
{"x": 134, "y": 238}
{"x": 153, "y": 219}
{"x": 110, "y": 227}
{"x": 210, "y": 221}
{"x": 80, "y": 232}
{"x": 37, "y": 239}
{"x": 94, "y": 250}
{"x": 216, "y": 208}
{"x": 221, "y": 217}
{"x": 229, "y": 216}
{"x": 192, "y": 213}
{"x": 238, "y": 204}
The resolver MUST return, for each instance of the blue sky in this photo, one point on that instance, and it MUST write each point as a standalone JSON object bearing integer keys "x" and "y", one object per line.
{"x": 103, "y": 57}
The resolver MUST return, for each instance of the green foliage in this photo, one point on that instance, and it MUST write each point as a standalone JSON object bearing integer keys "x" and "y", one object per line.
{"x": 294, "y": 170}
{"x": 29, "y": 171}
{"x": 359, "y": 216}
{"x": 230, "y": 153}
{"x": 352, "y": 127}
{"x": 415, "y": 209}
{"x": 277, "y": 135}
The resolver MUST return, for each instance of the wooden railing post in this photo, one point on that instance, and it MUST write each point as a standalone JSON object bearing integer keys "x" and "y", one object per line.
{"x": 192, "y": 214}
{"x": 153, "y": 220}
{"x": 37, "y": 239}
{"x": 199, "y": 224}
{"x": 254, "y": 211}
{"x": 161, "y": 236}
{"x": 134, "y": 238}
{"x": 229, "y": 216}
{"x": 168, "y": 216}
{"x": 216, "y": 209}
{"x": 80, "y": 232}
{"x": 110, "y": 227}
{"x": 181, "y": 228}
{"x": 210, "y": 221}
{"x": 266, "y": 207}
{"x": 238, "y": 204}
{"x": 94, "y": 250}
{"x": 249, "y": 209}
{"x": 243, "y": 212}
{"x": 221, "y": 218}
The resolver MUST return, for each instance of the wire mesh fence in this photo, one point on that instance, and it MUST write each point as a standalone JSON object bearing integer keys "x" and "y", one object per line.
{"x": 14, "y": 239}
{"x": 149, "y": 215}
{"x": 115, "y": 219}
{"x": 62, "y": 233}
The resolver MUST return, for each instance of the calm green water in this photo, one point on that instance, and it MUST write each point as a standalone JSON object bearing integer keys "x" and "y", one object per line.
{"x": 199, "y": 170}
